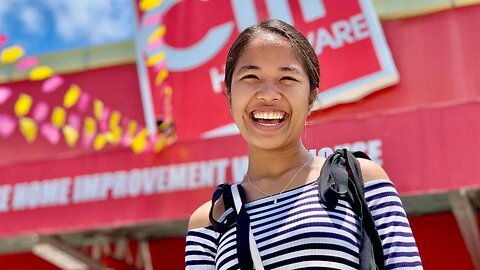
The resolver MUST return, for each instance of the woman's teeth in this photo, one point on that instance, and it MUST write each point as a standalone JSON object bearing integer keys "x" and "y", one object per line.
{"x": 268, "y": 116}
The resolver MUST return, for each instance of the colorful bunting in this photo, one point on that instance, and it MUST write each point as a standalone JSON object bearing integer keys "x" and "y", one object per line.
{"x": 7, "y": 125}
{"x": 3, "y": 40}
{"x": 58, "y": 117}
{"x": 70, "y": 134}
{"x": 40, "y": 111}
{"x": 114, "y": 120}
{"x": 28, "y": 128}
{"x": 139, "y": 143}
{"x": 146, "y": 5}
{"x": 27, "y": 63}
{"x": 40, "y": 73}
{"x": 72, "y": 96}
{"x": 157, "y": 34}
{"x": 74, "y": 121}
{"x": 99, "y": 142}
{"x": 5, "y": 93}
{"x": 155, "y": 45}
{"x": 90, "y": 126}
{"x": 161, "y": 76}
{"x": 98, "y": 108}
{"x": 83, "y": 102}
{"x": 155, "y": 59}
{"x": 152, "y": 19}
{"x": 23, "y": 105}
{"x": 12, "y": 54}
{"x": 51, "y": 134}
{"x": 51, "y": 84}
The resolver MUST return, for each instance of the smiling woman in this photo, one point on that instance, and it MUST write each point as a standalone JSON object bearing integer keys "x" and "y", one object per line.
{"x": 277, "y": 220}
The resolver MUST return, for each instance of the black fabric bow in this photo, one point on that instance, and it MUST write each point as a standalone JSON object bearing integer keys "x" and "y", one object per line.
{"x": 341, "y": 176}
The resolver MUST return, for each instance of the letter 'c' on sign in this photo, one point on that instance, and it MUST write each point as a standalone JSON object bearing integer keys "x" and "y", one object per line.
{"x": 180, "y": 59}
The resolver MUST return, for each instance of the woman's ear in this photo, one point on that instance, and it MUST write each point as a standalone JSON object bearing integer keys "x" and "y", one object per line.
{"x": 311, "y": 101}
{"x": 229, "y": 98}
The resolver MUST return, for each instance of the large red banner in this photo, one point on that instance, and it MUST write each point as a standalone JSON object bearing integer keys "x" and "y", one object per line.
{"x": 346, "y": 36}
{"x": 124, "y": 189}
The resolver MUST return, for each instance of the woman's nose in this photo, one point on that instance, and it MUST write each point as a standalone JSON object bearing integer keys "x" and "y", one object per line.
{"x": 269, "y": 93}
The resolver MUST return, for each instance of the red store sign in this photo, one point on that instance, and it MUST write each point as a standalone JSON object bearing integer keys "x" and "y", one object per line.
{"x": 346, "y": 36}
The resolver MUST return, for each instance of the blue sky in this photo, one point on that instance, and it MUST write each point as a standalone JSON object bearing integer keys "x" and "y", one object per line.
{"x": 43, "y": 26}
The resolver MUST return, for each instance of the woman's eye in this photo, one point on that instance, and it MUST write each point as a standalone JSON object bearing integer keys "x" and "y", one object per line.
{"x": 288, "y": 78}
{"x": 249, "y": 76}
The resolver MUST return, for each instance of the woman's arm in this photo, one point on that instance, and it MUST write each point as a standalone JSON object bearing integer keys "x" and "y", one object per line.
{"x": 399, "y": 247}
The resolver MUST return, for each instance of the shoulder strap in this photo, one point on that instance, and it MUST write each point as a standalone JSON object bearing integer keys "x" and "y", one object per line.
{"x": 341, "y": 175}
{"x": 248, "y": 256}
{"x": 223, "y": 191}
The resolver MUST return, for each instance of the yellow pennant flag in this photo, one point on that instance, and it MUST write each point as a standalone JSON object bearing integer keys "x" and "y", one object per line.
{"x": 146, "y": 5}
{"x": 12, "y": 54}
{"x": 115, "y": 117}
{"x": 90, "y": 126}
{"x": 161, "y": 76}
{"x": 40, "y": 73}
{"x": 157, "y": 34}
{"x": 23, "y": 105}
{"x": 28, "y": 128}
{"x": 71, "y": 135}
{"x": 98, "y": 108}
{"x": 99, "y": 142}
{"x": 71, "y": 96}
{"x": 58, "y": 117}
{"x": 132, "y": 127}
{"x": 160, "y": 143}
{"x": 168, "y": 91}
{"x": 116, "y": 134}
{"x": 139, "y": 143}
{"x": 155, "y": 59}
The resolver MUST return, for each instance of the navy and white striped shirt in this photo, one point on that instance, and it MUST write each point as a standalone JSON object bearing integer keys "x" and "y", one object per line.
{"x": 299, "y": 232}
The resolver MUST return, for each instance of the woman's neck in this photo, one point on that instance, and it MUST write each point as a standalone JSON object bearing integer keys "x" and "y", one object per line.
{"x": 266, "y": 163}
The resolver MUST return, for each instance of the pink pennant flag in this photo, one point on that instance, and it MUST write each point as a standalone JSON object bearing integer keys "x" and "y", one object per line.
{"x": 7, "y": 125}
{"x": 5, "y": 93}
{"x": 50, "y": 133}
{"x": 3, "y": 39}
{"x": 153, "y": 19}
{"x": 83, "y": 102}
{"x": 51, "y": 84}
{"x": 87, "y": 140}
{"x": 155, "y": 45}
{"x": 104, "y": 120}
{"x": 126, "y": 139}
{"x": 40, "y": 112}
{"x": 74, "y": 121}
{"x": 160, "y": 65}
{"x": 27, "y": 63}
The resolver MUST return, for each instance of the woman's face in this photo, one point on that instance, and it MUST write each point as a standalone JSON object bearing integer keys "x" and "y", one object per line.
{"x": 269, "y": 93}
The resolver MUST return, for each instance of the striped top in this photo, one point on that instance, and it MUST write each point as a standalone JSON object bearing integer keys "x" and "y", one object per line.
{"x": 299, "y": 232}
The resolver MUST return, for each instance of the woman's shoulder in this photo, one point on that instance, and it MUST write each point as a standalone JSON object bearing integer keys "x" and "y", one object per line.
{"x": 371, "y": 170}
{"x": 201, "y": 219}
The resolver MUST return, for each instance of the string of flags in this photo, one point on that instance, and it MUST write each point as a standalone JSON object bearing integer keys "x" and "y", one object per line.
{"x": 81, "y": 119}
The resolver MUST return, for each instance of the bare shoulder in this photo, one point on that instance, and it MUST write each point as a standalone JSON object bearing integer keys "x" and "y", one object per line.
{"x": 371, "y": 170}
{"x": 200, "y": 218}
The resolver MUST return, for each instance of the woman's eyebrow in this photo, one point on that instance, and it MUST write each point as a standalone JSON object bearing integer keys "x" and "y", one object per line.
{"x": 248, "y": 67}
{"x": 291, "y": 69}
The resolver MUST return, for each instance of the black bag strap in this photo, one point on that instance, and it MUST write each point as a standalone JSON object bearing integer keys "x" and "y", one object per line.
{"x": 341, "y": 175}
{"x": 223, "y": 191}
{"x": 242, "y": 222}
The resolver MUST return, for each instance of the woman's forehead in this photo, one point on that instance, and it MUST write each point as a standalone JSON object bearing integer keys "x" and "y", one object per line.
{"x": 269, "y": 48}
{"x": 267, "y": 39}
